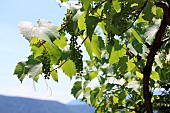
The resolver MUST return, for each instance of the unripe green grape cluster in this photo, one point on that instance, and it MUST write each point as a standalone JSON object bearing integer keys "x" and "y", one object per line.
{"x": 46, "y": 64}
{"x": 76, "y": 54}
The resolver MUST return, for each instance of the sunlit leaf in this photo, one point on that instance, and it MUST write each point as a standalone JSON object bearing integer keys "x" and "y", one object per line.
{"x": 81, "y": 22}
{"x": 45, "y": 30}
{"x": 93, "y": 75}
{"x": 61, "y": 42}
{"x": 54, "y": 51}
{"x": 116, "y": 6}
{"x": 115, "y": 55}
{"x": 69, "y": 68}
{"x": 95, "y": 46}
{"x": 54, "y": 74}
{"x": 136, "y": 36}
{"x": 155, "y": 76}
{"x": 130, "y": 65}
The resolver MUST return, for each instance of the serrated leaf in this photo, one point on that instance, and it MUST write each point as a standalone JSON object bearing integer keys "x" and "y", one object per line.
{"x": 87, "y": 45}
{"x": 93, "y": 96}
{"x": 33, "y": 41}
{"x": 86, "y": 4}
{"x": 54, "y": 51}
{"x": 33, "y": 61}
{"x": 115, "y": 55}
{"x": 61, "y": 42}
{"x": 115, "y": 98}
{"x": 81, "y": 22}
{"x": 34, "y": 70}
{"x": 77, "y": 89}
{"x": 116, "y": 6}
{"x": 102, "y": 26}
{"x": 95, "y": 46}
{"x": 91, "y": 23}
{"x": 20, "y": 71}
{"x": 69, "y": 68}
{"x": 45, "y": 30}
{"x": 130, "y": 65}
{"x": 148, "y": 15}
{"x": 36, "y": 78}
{"x": 138, "y": 74}
{"x": 136, "y": 36}
{"x": 54, "y": 74}
{"x": 37, "y": 51}
{"x": 155, "y": 76}
{"x": 93, "y": 75}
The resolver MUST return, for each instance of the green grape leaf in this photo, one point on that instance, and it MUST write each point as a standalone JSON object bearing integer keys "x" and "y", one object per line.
{"x": 33, "y": 61}
{"x": 102, "y": 26}
{"x": 116, "y": 6}
{"x": 93, "y": 96}
{"x": 86, "y": 4}
{"x": 148, "y": 15}
{"x": 54, "y": 51}
{"x": 155, "y": 76}
{"x": 69, "y": 68}
{"x": 136, "y": 36}
{"x": 91, "y": 23}
{"x": 54, "y": 74}
{"x": 61, "y": 42}
{"x": 130, "y": 65}
{"x": 95, "y": 46}
{"x": 37, "y": 51}
{"x": 81, "y": 22}
{"x": 36, "y": 78}
{"x": 115, "y": 55}
{"x": 33, "y": 41}
{"x": 93, "y": 75}
{"x": 138, "y": 74}
{"x": 122, "y": 64}
{"x": 87, "y": 44}
{"x": 115, "y": 99}
{"x": 20, "y": 71}
{"x": 159, "y": 12}
{"x": 77, "y": 89}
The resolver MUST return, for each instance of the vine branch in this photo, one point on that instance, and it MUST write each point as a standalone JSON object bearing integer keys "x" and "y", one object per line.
{"x": 156, "y": 45}
{"x": 137, "y": 16}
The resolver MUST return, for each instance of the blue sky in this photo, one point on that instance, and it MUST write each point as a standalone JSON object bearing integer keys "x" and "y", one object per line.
{"x": 14, "y": 48}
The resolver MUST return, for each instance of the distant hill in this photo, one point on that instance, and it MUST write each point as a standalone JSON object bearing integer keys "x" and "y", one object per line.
{"x": 76, "y": 102}
{"x": 26, "y": 105}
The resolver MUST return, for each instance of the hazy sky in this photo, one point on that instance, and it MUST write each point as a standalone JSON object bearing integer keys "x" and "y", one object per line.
{"x": 14, "y": 48}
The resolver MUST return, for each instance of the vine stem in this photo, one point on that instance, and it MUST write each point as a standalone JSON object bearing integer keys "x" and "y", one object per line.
{"x": 156, "y": 45}
{"x": 59, "y": 66}
{"x": 137, "y": 16}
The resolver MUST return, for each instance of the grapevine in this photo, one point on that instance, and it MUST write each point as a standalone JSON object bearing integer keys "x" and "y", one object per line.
{"x": 76, "y": 54}
{"x": 46, "y": 64}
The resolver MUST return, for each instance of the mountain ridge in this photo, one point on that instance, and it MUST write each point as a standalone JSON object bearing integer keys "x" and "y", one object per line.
{"x": 9, "y": 104}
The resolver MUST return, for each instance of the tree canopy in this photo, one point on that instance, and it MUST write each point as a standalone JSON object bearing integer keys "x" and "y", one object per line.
{"x": 127, "y": 50}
